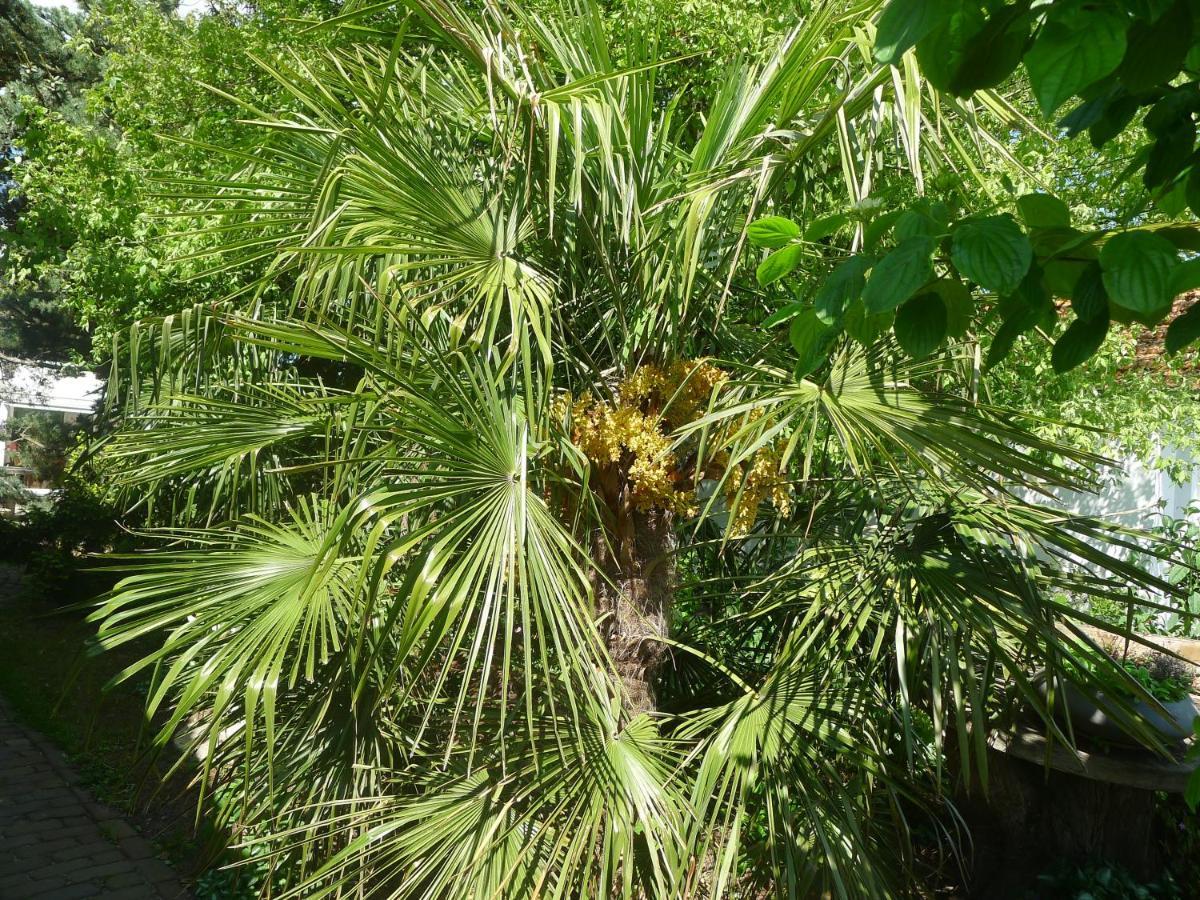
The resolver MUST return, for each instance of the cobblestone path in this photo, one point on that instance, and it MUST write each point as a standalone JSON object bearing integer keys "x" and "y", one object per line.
{"x": 56, "y": 842}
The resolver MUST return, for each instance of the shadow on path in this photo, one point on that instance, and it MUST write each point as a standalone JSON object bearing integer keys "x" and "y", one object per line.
{"x": 56, "y": 842}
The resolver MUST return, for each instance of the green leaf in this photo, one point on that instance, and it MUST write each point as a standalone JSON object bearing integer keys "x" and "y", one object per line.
{"x": 810, "y": 339}
{"x": 995, "y": 51}
{"x": 879, "y": 227}
{"x": 1156, "y": 50}
{"x": 1191, "y": 794}
{"x": 1185, "y": 277}
{"x": 1172, "y": 202}
{"x": 805, "y": 329}
{"x": 899, "y": 275}
{"x": 1032, "y": 293}
{"x": 1064, "y": 243}
{"x": 1019, "y": 320}
{"x": 1184, "y": 330}
{"x": 969, "y": 51}
{"x": 825, "y": 226}
{"x": 943, "y": 52}
{"x": 913, "y": 222}
{"x": 783, "y": 314}
{"x": 1148, "y": 9}
{"x": 993, "y": 252}
{"x": 1044, "y": 211}
{"x": 844, "y": 285}
{"x": 921, "y": 324}
{"x": 960, "y": 305}
{"x": 1169, "y": 154}
{"x": 1084, "y": 116}
{"x": 772, "y": 231}
{"x": 1089, "y": 300}
{"x": 779, "y": 263}
{"x": 1115, "y": 118}
{"x": 903, "y": 23}
{"x": 1075, "y": 47}
{"x": 1137, "y": 268}
{"x": 1078, "y": 343}
{"x": 1062, "y": 275}
{"x": 865, "y": 327}
{"x": 1193, "y": 190}
{"x": 1184, "y": 237}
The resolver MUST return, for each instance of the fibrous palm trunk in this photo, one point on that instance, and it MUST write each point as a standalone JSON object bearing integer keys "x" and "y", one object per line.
{"x": 634, "y": 585}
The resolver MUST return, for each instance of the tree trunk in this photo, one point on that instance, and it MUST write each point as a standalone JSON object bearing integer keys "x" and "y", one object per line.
{"x": 634, "y": 586}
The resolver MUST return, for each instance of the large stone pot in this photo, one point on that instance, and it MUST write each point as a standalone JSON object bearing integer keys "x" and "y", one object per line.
{"x": 1171, "y": 721}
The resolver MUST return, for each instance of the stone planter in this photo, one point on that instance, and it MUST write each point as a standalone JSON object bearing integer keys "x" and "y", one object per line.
{"x": 1171, "y": 721}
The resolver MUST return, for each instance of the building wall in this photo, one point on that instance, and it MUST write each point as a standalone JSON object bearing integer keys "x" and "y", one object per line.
{"x": 1138, "y": 495}
{"x": 48, "y": 387}
{"x": 26, "y": 385}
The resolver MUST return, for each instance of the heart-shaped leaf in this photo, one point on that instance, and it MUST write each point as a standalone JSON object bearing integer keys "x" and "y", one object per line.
{"x": 825, "y": 226}
{"x": 921, "y": 324}
{"x": 784, "y": 313}
{"x": 1191, "y": 793}
{"x": 1044, "y": 211}
{"x": 994, "y": 52}
{"x": 844, "y": 284}
{"x": 811, "y": 339}
{"x": 1077, "y": 344}
{"x": 1185, "y": 277}
{"x": 1019, "y": 320}
{"x": 1184, "y": 330}
{"x": 959, "y": 303}
{"x": 900, "y": 274}
{"x": 993, "y": 252}
{"x": 779, "y": 263}
{"x": 1089, "y": 300}
{"x": 772, "y": 231}
{"x": 942, "y": 52}
{"x": 903, "y": 23}
{"x": 1137, "y": 268}
{"x": 865, "y": 327}
{"x": 1157, "y": 49}
{"x": 1075, "y": 47}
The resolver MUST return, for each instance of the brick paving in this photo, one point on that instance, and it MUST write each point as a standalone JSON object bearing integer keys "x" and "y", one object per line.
{"x": 56, "y": 842}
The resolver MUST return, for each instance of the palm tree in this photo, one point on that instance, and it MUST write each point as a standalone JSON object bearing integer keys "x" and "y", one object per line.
{"x": 509, "y": 554}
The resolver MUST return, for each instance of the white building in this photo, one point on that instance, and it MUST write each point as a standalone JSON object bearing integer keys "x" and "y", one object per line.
{"x": 27, "y": 387}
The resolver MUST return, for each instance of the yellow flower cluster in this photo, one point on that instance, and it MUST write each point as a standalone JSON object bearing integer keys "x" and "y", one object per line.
{"x": 680, "y": 391}
{"x": 616, "y": 434}
{"x": 762, "y": 482}
{"x": 632, "y": 433}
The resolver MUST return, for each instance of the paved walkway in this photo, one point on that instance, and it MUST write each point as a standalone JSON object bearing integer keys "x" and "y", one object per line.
{"x": 56, "y": 843}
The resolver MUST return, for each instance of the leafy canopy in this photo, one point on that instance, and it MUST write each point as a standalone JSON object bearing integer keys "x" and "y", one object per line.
{"x": 1116, "y": 59}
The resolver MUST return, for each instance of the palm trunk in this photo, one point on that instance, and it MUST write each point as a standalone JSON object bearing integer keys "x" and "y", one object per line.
{"x": 637, "y": 565}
